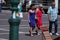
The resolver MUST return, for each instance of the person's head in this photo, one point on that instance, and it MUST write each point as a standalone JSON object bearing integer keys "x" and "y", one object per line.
{"x": 53, "y": 5}
{"x": 32, "y": 6}
{"x": 40, "y": 6}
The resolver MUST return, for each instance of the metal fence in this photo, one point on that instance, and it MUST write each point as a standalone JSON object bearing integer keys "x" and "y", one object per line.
{"x": 46, "y": 3}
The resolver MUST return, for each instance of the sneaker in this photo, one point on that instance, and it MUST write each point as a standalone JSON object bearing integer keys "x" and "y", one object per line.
{"x": 57, "y": 34}
{"x": 50, "y": 33}
{"x": 31, "y": 35}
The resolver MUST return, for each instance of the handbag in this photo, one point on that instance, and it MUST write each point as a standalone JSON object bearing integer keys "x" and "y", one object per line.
{"x": 20, "y": 14}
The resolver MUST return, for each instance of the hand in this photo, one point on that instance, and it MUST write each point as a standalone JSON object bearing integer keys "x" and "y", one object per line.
{"x": 48, "y": 19}
{"x": 43, "y": 11}
{"x": 35, "y": 17}
{"x": 42, "y": 8}
{"x": 28, "y": 20}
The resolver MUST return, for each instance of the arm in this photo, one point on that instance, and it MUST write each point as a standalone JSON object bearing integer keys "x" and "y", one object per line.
{"x": 48, "y": 16}
{"x": 36, "y": 13}
{"x": 43, "y": 11}
{"x": 48, "y": 13}
{"x": 28, "y": 17}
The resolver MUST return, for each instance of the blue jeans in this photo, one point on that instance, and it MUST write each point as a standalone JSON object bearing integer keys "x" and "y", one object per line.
{"x": 55, "y": 25}
{"x": 0, "y": 7}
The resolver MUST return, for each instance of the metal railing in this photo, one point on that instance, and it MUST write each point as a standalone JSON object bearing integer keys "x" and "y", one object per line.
{"x": 45, "y": 3}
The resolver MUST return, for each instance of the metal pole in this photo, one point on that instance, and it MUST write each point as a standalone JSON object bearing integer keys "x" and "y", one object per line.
{"x": 14, "y": 21}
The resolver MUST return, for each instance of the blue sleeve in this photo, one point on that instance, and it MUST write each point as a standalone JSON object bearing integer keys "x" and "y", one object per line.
{"x": 48, "y": 10}
{"x": 57, "y": 9}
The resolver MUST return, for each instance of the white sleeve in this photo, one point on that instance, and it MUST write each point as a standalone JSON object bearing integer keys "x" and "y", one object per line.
{"x": 18, "y": 5}
{"x": 3, "y": 1}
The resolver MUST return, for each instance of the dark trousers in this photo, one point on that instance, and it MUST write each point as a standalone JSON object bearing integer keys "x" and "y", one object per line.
{"x": 55, "y": 26}
{"x": 0, "y": 7}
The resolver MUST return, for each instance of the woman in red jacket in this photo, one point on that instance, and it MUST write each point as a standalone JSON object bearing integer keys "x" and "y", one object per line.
{"x": 39, "y": 12}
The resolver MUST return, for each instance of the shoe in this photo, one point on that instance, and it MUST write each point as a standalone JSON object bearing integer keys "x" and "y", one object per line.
{"x": 50, "y": 33}
{"x": 31, "y": 35}
{"x": 37, "y": 33}
{"x": 57, "y": 34}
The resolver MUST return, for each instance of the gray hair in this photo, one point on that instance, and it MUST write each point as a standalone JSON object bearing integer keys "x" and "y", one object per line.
{"x": 40, "y": 5}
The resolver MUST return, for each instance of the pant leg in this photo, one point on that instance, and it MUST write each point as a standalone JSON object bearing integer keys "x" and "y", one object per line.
{"x": 0, "y": 7}
{"x": 56, "y": 26}
{"x": 50, "y": 26}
